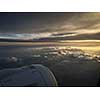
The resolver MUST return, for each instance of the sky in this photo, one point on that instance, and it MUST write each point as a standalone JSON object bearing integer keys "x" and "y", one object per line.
{"x": 50, "y": 26}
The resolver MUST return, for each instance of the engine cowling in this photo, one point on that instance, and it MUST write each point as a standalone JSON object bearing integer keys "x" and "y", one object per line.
{"x": 35, "y": 75}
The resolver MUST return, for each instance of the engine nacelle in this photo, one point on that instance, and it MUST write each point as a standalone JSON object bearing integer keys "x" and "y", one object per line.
{"x": 35, "y": 75}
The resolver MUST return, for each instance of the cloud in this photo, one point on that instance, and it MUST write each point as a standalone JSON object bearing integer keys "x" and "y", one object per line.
{"x": 95, "y": 36}
{"x": 50, "y": 25}
{"x": 24, "y": 36}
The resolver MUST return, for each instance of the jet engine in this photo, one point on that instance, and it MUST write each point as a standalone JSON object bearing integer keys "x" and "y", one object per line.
{"x": 35, "y": 75}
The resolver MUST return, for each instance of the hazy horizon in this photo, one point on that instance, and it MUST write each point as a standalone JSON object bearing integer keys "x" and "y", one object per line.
{"x": 50, "y": 26}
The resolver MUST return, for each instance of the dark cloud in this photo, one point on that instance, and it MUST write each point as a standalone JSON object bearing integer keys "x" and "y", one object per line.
{"x": 30, "y": 22}
{"x": 95, "y": 36}
{"x": 50, "y": 25}
{"x": 62, "y": 34}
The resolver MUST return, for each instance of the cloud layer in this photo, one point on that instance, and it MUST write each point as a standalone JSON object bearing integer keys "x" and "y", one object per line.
{"x": 50, "y": 25}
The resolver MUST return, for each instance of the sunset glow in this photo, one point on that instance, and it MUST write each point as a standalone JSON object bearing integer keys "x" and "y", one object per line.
{"x": 67, "y": 43}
